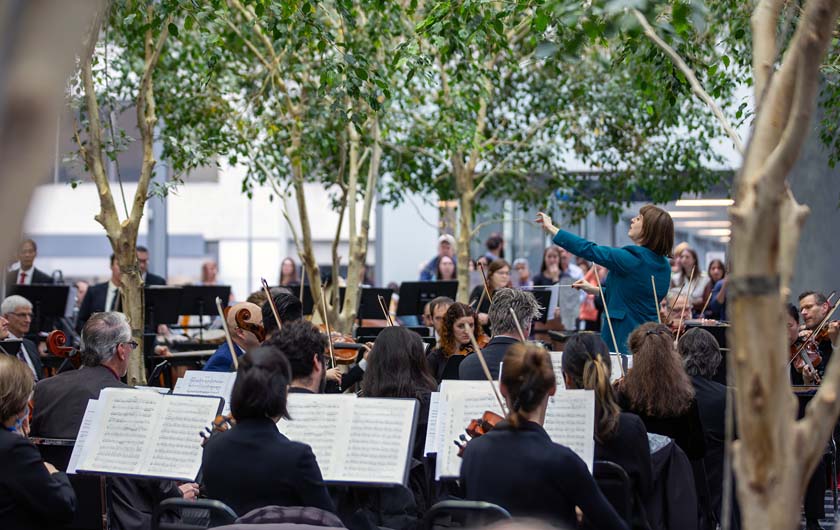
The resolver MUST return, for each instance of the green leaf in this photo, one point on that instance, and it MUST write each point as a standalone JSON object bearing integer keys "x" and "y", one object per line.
{"x": 540, "y": 21}
{"x": 173, "y": 29}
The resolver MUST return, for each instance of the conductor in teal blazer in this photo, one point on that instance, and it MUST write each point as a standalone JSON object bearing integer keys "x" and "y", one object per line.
{"x": 628, "y": 291}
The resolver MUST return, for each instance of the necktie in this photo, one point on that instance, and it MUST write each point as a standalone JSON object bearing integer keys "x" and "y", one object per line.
{"x": 22, "y": 278}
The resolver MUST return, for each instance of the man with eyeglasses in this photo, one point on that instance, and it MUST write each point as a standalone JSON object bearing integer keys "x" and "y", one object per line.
{"x": 17, "y": 310}
{"x": 60, "y": 403}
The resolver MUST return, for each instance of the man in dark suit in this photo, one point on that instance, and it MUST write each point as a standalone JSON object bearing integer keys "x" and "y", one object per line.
{"x": 27, "y": 274}
{"x": 143, "y": 264}
{"x": 17, "y": 311}
{"x": 505, "y": 331}
{"x": 103, "y": 296}
{"x": 60, "y": 404}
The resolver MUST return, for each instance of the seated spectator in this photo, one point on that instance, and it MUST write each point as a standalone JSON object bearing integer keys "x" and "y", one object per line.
{"x": 33, "y": 493}
{"x": 446, "y": 247}
{"x": 253, "y": 465}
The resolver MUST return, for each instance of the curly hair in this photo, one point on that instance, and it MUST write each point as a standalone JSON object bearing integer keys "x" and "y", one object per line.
{"x": 447, "y": 335}
{"x": 301, "y": 343}
{"x": 658, "y": 384}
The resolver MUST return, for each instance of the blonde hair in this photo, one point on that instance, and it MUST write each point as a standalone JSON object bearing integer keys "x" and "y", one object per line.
{"x": 16, "y": 385}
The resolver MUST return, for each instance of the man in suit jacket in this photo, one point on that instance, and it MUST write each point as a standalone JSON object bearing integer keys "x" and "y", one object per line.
{"x": 143, "y": 263}
{"x": 101, "y": 297}
{"x": 17, "y": 313}
{"x": 27, "y": 274}
{"x": 505, "y": 332}
{"x": 60, "y": 404}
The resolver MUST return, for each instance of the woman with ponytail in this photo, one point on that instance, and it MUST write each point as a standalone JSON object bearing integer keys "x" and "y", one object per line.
{"x": 620, "y": 437}
{"x": 518, "y": 467}
{"x": 253, "y": 465}
{"x": 659, "y": 390}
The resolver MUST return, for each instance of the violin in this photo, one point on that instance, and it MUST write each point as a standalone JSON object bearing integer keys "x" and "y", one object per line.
{"x": 220, "y": 424}
{"x": 345, "y": 348}
{"x": 242, "y": 316}
{"x": 805, "y": 353}
{"x": 478, "y": 427}
{"x": 56, "y": 341}
{"x": 467, "y": 349}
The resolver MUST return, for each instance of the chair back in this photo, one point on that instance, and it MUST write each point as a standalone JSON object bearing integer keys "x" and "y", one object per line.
{"x": 181, "y": 514}
{"x": 615, "y": 484}
{"x": 479, "y": 513}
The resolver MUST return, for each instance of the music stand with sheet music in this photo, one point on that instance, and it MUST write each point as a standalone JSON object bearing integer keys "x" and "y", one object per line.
{"x": 49, "y": 302}
{"x": 415, "y": 295}
{"x": 200, "y": 300}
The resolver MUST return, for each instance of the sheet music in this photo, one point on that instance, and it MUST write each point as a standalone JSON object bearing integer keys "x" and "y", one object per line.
{"x": 462, "y": 407}
{"x": 201, "y": 383}
{"x": 568, "y": 300}
{"x": 316, "y": 420}
{"x": 81, "y": 438}
{"x": 570, "y": 421}
{"x": 557, "y": 364}
{"x": 176, "y": 450}
{"x": 156, "y": 389}
{"x": 120, "y": 428}
{"x": 380, "y": 440}
{"x": 432, "y": 429}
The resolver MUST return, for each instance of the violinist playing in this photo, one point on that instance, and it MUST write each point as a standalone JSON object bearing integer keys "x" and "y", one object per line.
{"x": 243, "y": 339}
{"x": 806, "y": 375}
{"x": 518, "y": 467}
{"x": 814, "y": 308}
{"x": 459, "y": 321}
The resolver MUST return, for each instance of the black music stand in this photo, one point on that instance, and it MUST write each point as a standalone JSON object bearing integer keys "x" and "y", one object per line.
{"x": 415, "y": 295}
{"x": 49, "y": 302}
{"x": 201, "y": 300}
{"x": 369, "y": 307}
{"x": 161, "y": 307}
{"x": 543, "y": 297}
{"x": 10, "y": 346}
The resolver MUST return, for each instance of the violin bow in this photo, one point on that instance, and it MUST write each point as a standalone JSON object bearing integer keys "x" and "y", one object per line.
{"x": 381, "y": 300}
{"x": 271, "y": 303}
{"x": 816, "y": 330}
{"x": 682, "y": 313}
{"x": 609, "y": 323}
{"x": 668, "y": 318}
{"x": 706, "y": 304}
{"x": 518, "y": 327}
{"x": 302, "y": 279}
{"x": 655, "y": 298}
{"x": 227, "y": 334}
{"x": 486, "y": 287}
{"x": 487, "y": 373}
{"x": 327, "y": 325}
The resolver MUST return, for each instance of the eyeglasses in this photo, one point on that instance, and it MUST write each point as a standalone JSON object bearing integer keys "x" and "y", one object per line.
{"x": 22, "y": 315}
{"x": 131, "y": 344}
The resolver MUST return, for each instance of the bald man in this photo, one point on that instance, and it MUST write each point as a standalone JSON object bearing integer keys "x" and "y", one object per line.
{"x": 243, "y": 340}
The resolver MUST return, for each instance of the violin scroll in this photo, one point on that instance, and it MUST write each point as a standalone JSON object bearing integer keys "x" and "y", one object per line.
{"x": 56, "y": 341}
{"x": 242, "y": 318}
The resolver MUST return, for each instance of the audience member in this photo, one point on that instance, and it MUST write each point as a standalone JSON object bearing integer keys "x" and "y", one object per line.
{"x": 209, "y": 273}
{"x": 288, "y": 273}
{"x": 522, "y": 278}
{"x": 27, "y": 273}
{"x": 557, "y": 267}
{"x": 143, "y": 263}
{"x": 33, "y": 493}
{"x": 505, "y": 330}
{"x": 717, "y": 272}
{"x": 446, "y": 269}
{"x": 446, "y": 247}
{"x": 495, "y": 247}
{"x": 688, "y": 262}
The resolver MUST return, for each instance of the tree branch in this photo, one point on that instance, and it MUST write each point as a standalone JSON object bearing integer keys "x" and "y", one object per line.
{"x": 696, "y": 87}
{"x": 503, "y": 164}
{"x": 764, "y": 20}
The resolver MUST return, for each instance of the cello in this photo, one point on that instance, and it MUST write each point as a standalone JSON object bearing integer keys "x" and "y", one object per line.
{"x": 56, "y": 345}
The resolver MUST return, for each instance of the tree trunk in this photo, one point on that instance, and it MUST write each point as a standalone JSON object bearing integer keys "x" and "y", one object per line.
{"x": 466, "y": 200}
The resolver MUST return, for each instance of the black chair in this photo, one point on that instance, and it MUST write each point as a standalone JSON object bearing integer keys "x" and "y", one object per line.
{"x": 191, "y": 514}
{"x": 453, "y": 364}
{"x": 91, "y": 512}
{"x": 616, "y": 487}
{"x": 478, "y": 513}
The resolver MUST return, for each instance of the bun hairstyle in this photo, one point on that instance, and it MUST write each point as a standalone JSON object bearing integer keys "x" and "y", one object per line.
{"x": 586, "y": 361}
{"x": 658, "y": 384}
{"x": 262, "y": 385}
{"x": 528, "y": 376}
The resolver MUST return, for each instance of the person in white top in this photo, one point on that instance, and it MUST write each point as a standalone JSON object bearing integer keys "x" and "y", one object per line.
{"x": 17, "y": 310}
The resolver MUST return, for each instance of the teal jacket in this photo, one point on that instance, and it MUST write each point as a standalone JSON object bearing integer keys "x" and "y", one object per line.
{"x": 627, "y": 290}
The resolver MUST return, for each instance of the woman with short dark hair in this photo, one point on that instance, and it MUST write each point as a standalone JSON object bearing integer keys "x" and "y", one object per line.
{"x": 628, "y": 292}
{"x": 253, "y": 465}
{"x": 518, "y": 467}
{"x": 33, "y": 494}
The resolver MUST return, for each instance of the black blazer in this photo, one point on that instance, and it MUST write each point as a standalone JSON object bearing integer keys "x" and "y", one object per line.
{"x": 523, "y": 471}
{"x": 61, "y": 400}
{"x": 711, "y": 402}
{"x": 253, "y": 465}
{"x": 154, "y": 279}
{"x": 39, "y": 277}
{"x": 494, "y": 352}
{"x": 93, "y": 302}
{"x": 35, "y": 357}
{"x": 30, "y": 497}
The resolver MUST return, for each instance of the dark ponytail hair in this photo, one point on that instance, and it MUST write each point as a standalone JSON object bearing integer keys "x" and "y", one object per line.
{"x": 586, "y": 361}
{"x": 528, "y": 376}
{"x": 262, "y": 385}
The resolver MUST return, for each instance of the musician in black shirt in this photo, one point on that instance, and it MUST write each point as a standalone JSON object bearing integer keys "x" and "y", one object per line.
{"x": 517, "y": 466}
